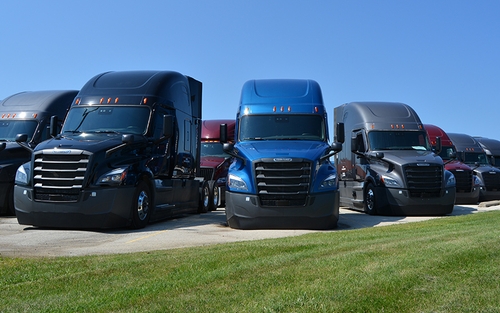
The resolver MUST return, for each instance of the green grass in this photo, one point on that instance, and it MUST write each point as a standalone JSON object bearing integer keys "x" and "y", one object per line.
{"x": 442, "y": 265}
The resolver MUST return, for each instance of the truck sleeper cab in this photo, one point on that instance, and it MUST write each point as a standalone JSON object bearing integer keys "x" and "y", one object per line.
{"x": 26, "y": 113}
{"x": 127, "y": 154}
{"x": 467, "y": 183}
{"x": 281, "y": 176}
{"x": 215, "y": 162}
{"x": 470, "y": 152}
{"x": 387, "y": 166}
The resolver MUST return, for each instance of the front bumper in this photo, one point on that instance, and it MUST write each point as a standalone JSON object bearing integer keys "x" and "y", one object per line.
{"x": 398, "y": 202}
{"x": 99, "y": 208}
{"x": 243, "y": 211}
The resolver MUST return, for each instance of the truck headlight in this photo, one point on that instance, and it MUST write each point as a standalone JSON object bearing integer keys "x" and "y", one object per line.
{"x": 235, "y": 182}
{"x": 22, "y": 175}
{"x": 451, "y": 182}
{"x": 329, "y": 182}
{"x": 390, "y": 182}
{"x": 115, "y": 177}
{"x": 477, "y": 181}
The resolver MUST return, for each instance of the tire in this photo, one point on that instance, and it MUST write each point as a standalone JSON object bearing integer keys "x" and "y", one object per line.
{"x": 214, "y": 196}
{"x": 204, "y": 205}
{"x": 141, "y": 206}
{"x": 370, "y": 201}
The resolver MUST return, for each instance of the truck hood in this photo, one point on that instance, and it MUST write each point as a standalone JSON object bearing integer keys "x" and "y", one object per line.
{"x": 211, "y": 161}
{"x": 401, "y": 157}
{"x": 12, "y": 152}
{"x": 253, "y": 150}
{"x": 457, "y": 165}
{"x": 85, "y": 141}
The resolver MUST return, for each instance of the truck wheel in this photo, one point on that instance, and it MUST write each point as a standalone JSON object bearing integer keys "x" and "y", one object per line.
{"x": 214, "y": 196}
{"x": 370, "y": 200}
{"x": 204, "y": 204}
{"x": 141, "y": 207}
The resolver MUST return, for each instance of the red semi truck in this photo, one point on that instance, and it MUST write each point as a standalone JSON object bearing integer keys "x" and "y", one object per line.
{"x": 467, "y": 183}
{"x": 214, "y": 162}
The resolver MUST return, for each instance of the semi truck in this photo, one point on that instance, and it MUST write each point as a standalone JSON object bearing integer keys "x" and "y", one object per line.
{"x": 492, "y": 149}
{"x": 215, "y": 162}
{"x": 26, "y": 113}
{"x": 387, "y": 165}
{"x": 467, "y": 183}
{"x": 471, "y": 153}
{"x": 128, "y": 154}
{"x": 281, "y": 176}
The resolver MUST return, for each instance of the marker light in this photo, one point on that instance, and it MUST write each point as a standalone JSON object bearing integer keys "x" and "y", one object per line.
{"x": 101, "y": 101}
{"x": 77, "y": 101}
{"x": 145, "y": 101}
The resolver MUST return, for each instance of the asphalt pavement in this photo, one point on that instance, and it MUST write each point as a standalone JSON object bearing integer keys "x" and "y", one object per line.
{"x": 186, "y": 231}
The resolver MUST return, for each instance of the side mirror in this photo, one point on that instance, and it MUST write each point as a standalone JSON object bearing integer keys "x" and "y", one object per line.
{"x": 340, "y": 133}
{"x": 21, "y": 138}
{"x": 127, "y": 138}
{"x": 223, "y": 133}
{"x": 336, "y": 147}
{"x": 228, "y": 148}
{"x": 439, "y": 145}
{"x": 53, "y": 125}
{"x": 168, "y": 125}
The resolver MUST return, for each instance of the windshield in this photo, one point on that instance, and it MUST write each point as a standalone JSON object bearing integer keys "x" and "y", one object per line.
{"x": 9, "y": 129}
{"x": 398, "y": 140}
{"x": 107, "y": 119}
{"x": 473, "y": 157}
{"x": 213, "y": 149}
{"x": 282, "y": 127}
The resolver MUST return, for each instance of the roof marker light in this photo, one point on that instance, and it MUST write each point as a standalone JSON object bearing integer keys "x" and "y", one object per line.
{"x": 77, "y": 101}
{"x": 274, "y": 108}
{"x": 116, "y": 100}
{"x": 109, "y": 100}
{"x": 101, "y": 101}
{"x": 145, "y": 101}
{"x": 289, "y": 109}
{"x": 315, "y": 109}
{"x": 282, "y": 108}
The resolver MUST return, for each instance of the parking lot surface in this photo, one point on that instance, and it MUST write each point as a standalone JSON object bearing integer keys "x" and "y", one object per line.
{"x": 186, "y": 231}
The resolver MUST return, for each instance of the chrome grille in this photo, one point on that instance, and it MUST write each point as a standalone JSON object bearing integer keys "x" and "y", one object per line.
{"x": 59, "y": 175}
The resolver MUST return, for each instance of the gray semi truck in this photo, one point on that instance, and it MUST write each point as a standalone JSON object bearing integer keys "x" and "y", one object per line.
{"x": 387, "y": 165}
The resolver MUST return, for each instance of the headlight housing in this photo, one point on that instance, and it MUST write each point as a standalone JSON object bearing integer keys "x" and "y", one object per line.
{"x": 329, "y": 182}
{"x": 451, "y": 182}
{"x": 236, "y": 183}
{"x": 22, "y": 174}
{"x": 390, "y": 182}
{"x": 114, "y": 177}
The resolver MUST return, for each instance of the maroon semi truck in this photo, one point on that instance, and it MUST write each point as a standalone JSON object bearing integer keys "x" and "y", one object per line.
{"x": 214, "y": 162}
{"x": 467, "y": 184}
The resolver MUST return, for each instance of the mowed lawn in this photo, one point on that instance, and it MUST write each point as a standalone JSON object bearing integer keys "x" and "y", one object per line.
{"x": 450, "y": 264}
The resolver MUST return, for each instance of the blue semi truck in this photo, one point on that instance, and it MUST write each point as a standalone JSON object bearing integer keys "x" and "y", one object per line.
{"x": 281, "y": 176}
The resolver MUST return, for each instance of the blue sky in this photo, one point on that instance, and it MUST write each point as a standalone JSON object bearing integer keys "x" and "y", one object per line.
{"x": 440, "y": 57}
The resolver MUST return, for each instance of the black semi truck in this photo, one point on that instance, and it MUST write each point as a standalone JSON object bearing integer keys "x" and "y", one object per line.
{"x": 128, "y": 153}
{"x": 26, "y": 113}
